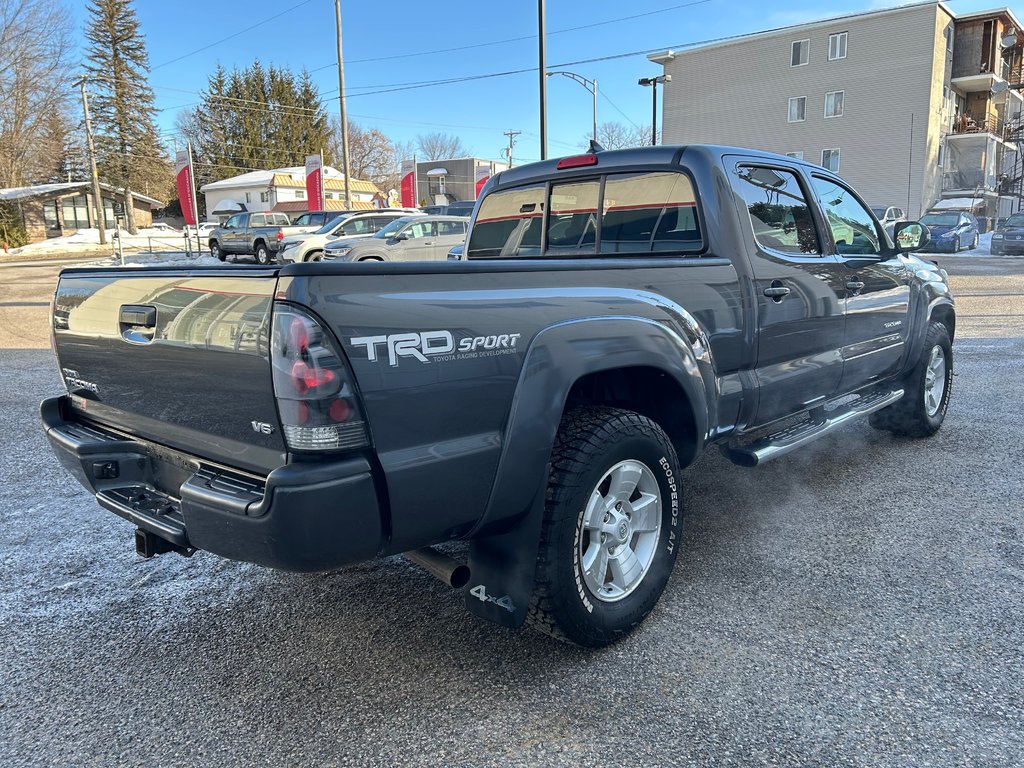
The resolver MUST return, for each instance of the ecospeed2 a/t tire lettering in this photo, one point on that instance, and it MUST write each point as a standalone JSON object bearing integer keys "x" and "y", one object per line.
{"x": 611, "y": 528}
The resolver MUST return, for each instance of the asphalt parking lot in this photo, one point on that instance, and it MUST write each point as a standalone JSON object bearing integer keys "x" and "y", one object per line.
{"x": 856, "y": 603}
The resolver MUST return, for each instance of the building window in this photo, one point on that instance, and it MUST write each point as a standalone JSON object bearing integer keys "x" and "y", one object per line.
{"x": 834, "y": 104}
{"x": 837, "y": 46}
{"x": 948, "y": 33}
{"x": 76, "y": 212}
{"x": 264, "y": 197}
{"x": 300, "y": 194}
{"x": 797, "y": 108}
{"x": 801, "y": 53}
{"x": 830, "y": 159}
{"x": 50, "y": 215}
{"x": 795, "y": 155}
{"x": 942, "y": 154}
{"x": 436, "y": 185}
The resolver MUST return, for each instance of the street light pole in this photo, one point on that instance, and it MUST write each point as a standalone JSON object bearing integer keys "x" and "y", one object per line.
{"x": 653, "y": 82}
{"x": 542, "y": 69}
{"x": 590, "y": 85}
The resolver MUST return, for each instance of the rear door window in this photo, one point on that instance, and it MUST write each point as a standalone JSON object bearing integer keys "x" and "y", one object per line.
{"x": 508, "y": 224}
{"x": 645, "y": 212}
{"x": 451, "y": 228}
{"x": 257, "y": 220}
{"x": 778, "y": 210}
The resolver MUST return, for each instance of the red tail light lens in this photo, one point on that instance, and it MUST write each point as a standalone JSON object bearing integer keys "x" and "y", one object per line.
{"x": 313, "y": 385}
{"x": 280, "y": 235}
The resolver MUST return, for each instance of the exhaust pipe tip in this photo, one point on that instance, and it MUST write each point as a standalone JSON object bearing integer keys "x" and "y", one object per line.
{"x": 440, "y": 566}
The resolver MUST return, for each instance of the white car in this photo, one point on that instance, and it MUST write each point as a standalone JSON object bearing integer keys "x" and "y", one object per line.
{"x": 309, "y": 246}
{"x": 205, "y": 228}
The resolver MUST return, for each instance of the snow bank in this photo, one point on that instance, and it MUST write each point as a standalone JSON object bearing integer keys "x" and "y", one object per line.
{"x": 157, "y": 260}
{"x": 85, "y": 240}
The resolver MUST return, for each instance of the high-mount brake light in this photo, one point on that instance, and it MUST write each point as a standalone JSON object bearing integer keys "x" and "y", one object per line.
{"x": 576, "y": 161}
{"x": 313, "y": 385}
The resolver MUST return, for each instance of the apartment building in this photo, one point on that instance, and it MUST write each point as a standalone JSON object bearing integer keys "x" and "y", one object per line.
{"x": 916, "y": 106}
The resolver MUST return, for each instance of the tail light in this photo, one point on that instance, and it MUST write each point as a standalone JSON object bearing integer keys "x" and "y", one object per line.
{"x": 280, "y": 235}
{"x": 313, "y": 386}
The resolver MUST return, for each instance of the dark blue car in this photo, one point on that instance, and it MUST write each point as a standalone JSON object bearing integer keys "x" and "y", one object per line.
{"x": 951, "y": 230}
{"x": 1009, "y": 236}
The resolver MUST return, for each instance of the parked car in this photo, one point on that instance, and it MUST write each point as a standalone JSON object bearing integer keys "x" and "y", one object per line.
{"x": 162, "y": 227}
{"x": 205, "y": 228}
{"x": 888, "y": 215}
{"x": 952, "y": 230}
{"x": 1008, "y": 236}
{"x": 411, "y": 238}
{"x": 259, "y": 234}
{"x": 349, "y": 225}
{"x": 457, "y": 208}
{"x": 617, "y": 315}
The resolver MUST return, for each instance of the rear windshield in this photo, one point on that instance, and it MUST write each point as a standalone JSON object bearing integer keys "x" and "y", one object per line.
{"x": 631, "y": 213}
{"x": 941, "y": 219}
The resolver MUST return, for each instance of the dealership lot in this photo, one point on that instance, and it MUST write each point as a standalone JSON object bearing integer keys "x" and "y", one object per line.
{"x": 855, "y": 603}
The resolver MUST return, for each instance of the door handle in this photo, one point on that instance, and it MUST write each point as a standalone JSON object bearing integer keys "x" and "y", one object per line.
{"x": 776, "y": 291}
{"x": 138, "y": 323}
{"x": 854, "y": 286}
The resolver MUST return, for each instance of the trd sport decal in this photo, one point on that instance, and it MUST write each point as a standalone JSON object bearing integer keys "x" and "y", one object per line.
{"x": 437, "y": 346}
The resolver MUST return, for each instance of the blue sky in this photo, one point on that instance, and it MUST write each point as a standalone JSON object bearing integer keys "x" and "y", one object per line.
{"x": 477, "y": 111}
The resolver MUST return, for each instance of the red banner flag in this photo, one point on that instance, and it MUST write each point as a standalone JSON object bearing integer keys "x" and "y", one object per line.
{"x": 483, "y": 173}
{"x": 315, "y": 182}
{"x": 186, "y": 187}
{"x": 409, "y": 183}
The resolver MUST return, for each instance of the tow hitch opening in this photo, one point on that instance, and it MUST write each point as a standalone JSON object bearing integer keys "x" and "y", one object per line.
{"x": 149, "y": 545}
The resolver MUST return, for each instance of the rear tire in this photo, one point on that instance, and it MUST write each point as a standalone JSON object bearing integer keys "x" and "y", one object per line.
{"x": 262, "y": 253}
{"x": 922, "y": 409}
{"x": 612, "y": 526}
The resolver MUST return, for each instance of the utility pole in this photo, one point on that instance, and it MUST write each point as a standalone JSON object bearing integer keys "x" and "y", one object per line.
{"x": 341, "y": 102}
{"x": 97, "y": 201}
{"x": 542, "y": 69}
{"x": 511, "y": 143}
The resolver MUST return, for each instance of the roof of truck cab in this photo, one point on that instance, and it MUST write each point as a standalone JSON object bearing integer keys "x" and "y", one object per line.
{"x": 621, "y": 159}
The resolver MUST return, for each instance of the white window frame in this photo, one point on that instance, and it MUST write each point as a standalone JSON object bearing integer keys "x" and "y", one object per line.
{"x": 806, "y": 59}
{"x": 842, "y": 40}
{"x": 838, "y": 155}
{"x": 300, "y": 194}
{"x": 248, "y": 197}
{"x": 842, "y": 104}
{"x": 264, "y": 197}
{"x": 798, "y": 155}
{"x": 789, "y": 109}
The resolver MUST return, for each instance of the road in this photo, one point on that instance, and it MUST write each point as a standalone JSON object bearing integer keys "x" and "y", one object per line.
{"x": 856, "y": 603}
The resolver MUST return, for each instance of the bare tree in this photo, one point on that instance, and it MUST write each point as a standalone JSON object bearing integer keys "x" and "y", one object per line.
{"x": 615, "y": 135}
{"x": 35, "y": 73}
{"x": 371, "y": 154}
{"x": 439, "y": 146}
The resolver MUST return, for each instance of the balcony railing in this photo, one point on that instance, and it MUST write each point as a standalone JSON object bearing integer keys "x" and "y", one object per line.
{"x": 971, "y": 124}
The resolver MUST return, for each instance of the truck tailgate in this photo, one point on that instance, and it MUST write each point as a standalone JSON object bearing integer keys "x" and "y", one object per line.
{"x": 180, "y": 358}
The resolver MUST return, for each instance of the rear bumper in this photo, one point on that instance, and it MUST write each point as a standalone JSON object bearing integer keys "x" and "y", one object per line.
{"x": 301, "y": 517}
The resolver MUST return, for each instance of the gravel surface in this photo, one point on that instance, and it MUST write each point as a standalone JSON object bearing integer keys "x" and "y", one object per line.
{"x": 855, "y": 603}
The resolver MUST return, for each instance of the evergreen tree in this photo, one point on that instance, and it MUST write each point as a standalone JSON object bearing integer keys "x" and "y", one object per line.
{"x": 131, "y": 155}
{"x": 255, "y": 118}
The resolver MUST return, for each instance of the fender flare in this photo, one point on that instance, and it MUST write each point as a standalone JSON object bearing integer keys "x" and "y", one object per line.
{"x": 504, "y": 542}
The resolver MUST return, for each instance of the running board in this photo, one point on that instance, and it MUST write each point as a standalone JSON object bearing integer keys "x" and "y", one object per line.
{"x": 781, "y": 443}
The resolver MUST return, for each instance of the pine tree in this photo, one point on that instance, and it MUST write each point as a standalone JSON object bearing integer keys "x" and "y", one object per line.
{"x": 131, "y": 154}
{"x": 259, "y": 117}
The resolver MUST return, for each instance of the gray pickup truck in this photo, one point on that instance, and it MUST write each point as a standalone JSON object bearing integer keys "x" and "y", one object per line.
{"x": 260, "y": 234}
{"x": 615, "y": 315}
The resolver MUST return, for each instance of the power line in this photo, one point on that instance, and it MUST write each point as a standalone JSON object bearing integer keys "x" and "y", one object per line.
{"x": 232, "y": 36}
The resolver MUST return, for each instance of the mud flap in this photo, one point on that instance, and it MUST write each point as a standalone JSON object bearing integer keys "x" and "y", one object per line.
{"x": 503, "y": 568}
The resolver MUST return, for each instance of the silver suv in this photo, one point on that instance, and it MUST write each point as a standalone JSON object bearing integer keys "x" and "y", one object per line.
{"x": 309, "y": 246}
{"x": 413, "y": 238}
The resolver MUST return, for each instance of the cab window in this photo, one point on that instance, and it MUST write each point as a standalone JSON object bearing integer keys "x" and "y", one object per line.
{"x": 853, "y": 229}
{"x": 645, "y": 212}
{"x": 508, "y": 224}
{"x": 778, "y": 210}
{"x": 572, "y": 220}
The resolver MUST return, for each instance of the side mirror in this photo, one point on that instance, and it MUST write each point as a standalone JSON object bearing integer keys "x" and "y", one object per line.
{"x": 401, "y": 236}
{"x": 910, "y": 236}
